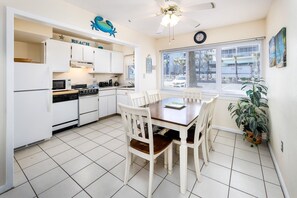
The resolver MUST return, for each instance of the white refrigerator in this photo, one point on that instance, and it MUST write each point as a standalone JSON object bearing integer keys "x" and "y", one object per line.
{"x": 32, "y": 103}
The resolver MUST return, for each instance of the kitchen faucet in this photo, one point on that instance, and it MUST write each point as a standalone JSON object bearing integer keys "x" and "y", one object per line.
{"x": 131, "y": 83}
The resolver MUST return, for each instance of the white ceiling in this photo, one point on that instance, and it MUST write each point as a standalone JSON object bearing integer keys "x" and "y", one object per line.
{"x": 142, "y": 13}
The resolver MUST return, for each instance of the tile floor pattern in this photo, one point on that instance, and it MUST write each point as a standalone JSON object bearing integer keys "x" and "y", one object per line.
{"x": 89, "y": 162}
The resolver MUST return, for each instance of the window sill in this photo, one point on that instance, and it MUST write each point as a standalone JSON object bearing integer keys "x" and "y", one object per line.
{"x": 233, "y": 95}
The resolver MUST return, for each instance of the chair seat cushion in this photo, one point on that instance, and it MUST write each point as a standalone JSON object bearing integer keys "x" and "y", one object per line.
{"x": 175, "y": 135}
{"x": 160, "y": 143}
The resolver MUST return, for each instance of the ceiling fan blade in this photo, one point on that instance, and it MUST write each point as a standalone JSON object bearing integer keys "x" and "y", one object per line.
{"x": 160, "y": 29}
{"x": 202, "y": 6}
{"x": 191, "y": 22}
{"x": 165, "y": 3}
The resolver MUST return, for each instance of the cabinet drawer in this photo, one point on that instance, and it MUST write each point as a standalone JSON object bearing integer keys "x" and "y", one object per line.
{"x": 88, "y": 117}
{"x": 124, "y": 92}
{"x": 107, "y": 93}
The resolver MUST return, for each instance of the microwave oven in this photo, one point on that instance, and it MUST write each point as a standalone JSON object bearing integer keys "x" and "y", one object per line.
{"x": 61, "y": 84}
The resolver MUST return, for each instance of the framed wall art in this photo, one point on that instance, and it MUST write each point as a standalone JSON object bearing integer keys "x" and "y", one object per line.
{"x": 272, "y": 58}
{"x": 281, "y": 48}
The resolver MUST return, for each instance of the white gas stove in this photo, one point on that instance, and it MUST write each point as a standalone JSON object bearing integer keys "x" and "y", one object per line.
{"x": 87, "y": 104}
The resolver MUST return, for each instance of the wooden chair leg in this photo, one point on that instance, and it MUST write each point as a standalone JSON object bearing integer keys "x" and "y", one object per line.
{"x": 196, "y": 162}
{"x": 151, "y": 175}
{"x": 127, "y": 170}
{"x": 207, "y": 146}
{"x": 132, "y": 159}
{"x": 170, "y": 150}
{"x": 166, "y": 159}
{"x": 204, "y": 151}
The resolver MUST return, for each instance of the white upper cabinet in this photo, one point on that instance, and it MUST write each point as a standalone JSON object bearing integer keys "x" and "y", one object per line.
{"x": 88, "y": 53}
{"x": 117, "y": 62}
{"x": 106, "y": 61}
{"x": 82, "y": 53}
{"x": 102, "y": 61}
{"x": 58, "y": 55}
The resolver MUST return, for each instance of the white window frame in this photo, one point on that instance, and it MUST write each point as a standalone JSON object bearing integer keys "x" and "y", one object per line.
{"x": 218, "y": 48}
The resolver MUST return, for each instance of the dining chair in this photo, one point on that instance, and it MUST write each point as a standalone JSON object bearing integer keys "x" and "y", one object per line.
{"x": 153, "y": 96}
{"x": 210, "y": 116}
{"x": 192, "y": 94}
{"x": 196, "y": 136}
{"x": 142, "y": 142}
{"x": 138, "y": 99}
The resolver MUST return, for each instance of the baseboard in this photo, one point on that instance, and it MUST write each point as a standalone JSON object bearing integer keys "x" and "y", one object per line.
{"x": 282, "y": 182}
{"x": 4, "y": 188}
{"x": 238, "y": 131}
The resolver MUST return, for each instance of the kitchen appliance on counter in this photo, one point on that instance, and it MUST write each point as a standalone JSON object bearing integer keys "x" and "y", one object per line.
{"x": 116, "y": 83}
{"x": 104, "y": 84}
{"x": 87, "y": 104}
{"x": 61, "y": 84}
{"x": 110, "y": 82}
{"x": 32, "y": 103}
{"x": 65, "y": 109}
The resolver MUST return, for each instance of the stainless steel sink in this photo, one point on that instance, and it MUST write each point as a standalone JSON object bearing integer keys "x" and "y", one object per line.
{"x": 127, "y": 86}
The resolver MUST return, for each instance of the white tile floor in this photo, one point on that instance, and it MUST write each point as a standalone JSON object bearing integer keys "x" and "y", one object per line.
{"x": 90, "y": 161}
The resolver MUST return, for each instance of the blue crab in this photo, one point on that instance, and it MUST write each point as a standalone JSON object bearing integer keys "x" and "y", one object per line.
{"x": 104, "y": 26}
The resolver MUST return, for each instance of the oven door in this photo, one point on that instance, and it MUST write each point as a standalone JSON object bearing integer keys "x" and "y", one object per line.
{"x": 88, "y": 104}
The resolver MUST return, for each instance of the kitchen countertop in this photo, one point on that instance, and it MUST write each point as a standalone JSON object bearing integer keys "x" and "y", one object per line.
{"x": 56, "y": 93}
{"x": 116, "y": 87}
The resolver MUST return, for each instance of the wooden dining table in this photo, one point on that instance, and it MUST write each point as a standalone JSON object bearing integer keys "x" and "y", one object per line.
{"x": 180, "y": 120}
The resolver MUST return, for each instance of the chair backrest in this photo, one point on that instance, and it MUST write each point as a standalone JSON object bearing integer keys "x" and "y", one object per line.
{"x": 201, "y": 123}
{"x": 211, "y": 112}
{"x": 138, "y": 99}
{"x": 153, "y": 96}
{"x": 134, "y": 120}
{"x": 192, "y": 94}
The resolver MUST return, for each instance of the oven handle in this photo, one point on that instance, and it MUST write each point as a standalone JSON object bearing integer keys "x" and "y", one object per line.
{"x": 88, "y": 96}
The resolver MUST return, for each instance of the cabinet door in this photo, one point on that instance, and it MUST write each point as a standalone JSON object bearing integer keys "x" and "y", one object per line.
{"x": 77, "y": 52}
{"x": 58, "y": 55}
{"x": 117, "y": 62}
{"x": 88, "y": 53}
{"x": 111, "y": 104}
{"x": 121, "y": 99}
{"x": 103, "y": 106}
{"x": 102, "y": 61}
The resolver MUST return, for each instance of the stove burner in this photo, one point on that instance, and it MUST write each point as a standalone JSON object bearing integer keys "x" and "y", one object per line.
{"x": 84, "y": 91}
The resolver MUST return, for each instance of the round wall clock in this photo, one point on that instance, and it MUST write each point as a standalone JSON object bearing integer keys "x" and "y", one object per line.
{"x": 200, "y": 37}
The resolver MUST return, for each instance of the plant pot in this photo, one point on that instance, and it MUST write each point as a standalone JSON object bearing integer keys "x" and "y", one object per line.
{"x": 250, "y": 137}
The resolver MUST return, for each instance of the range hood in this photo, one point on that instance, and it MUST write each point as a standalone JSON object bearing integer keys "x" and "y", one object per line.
{"x": 80, "y": 64}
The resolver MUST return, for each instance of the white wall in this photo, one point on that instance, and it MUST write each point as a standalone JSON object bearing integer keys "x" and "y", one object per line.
{"x": 62, "y": 13}
{"x": 236, "y": 32}
{"x": 282, "y": 92}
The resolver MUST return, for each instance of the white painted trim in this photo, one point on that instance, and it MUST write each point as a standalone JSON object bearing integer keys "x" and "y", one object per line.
{"x": 9, "y": 103}
{"x": 238, "y": 131}
{"x": 9, "y": 68}
{"x": 278, "y": 171}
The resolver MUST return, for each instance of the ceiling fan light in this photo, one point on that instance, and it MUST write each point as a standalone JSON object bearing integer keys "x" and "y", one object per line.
{"x": 174, "y": 20}
{"x": 165, "y": 20}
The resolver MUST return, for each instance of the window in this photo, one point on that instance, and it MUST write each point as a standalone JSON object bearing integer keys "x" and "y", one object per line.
{"x": 221, "y": 68}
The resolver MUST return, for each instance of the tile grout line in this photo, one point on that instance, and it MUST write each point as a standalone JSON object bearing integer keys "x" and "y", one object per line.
{"x": 26, "y": 178}
{"x": 231, "y": 170}
{"x": 262, "y": 172}
{"x": 69, "y": 176}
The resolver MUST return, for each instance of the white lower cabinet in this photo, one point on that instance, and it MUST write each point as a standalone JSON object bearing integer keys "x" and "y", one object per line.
{"x": 123, "y": 97}
{"x": 107, "y": 103}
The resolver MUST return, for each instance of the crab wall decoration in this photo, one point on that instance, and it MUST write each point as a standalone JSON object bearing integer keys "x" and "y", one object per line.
{"x": 104, "y": 26}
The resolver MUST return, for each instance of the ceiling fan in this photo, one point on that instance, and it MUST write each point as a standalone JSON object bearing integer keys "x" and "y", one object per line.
{"x": 173, "y": 10}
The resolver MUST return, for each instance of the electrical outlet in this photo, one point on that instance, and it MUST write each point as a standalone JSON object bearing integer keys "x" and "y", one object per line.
{"x": 282, "y": 146}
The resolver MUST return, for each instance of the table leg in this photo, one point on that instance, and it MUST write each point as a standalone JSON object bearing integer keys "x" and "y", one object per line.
{"x": 183, "y": 157}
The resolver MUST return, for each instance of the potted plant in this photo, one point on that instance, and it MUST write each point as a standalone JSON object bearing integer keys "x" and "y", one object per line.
{"x": 250, "y": 111}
